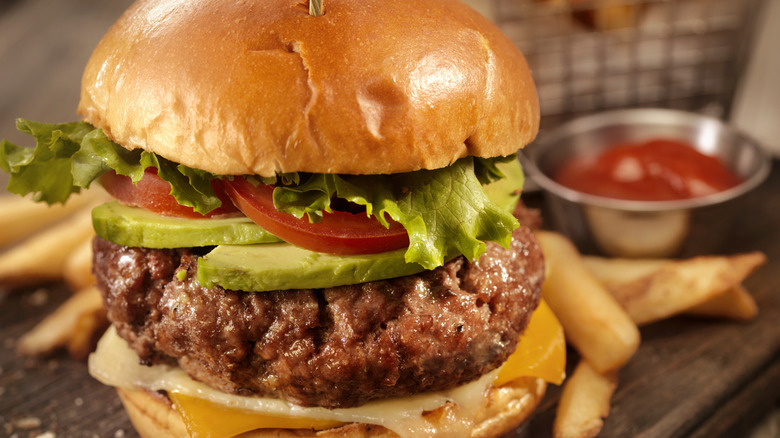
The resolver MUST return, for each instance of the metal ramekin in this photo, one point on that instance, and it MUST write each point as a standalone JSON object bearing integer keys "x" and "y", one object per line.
{"x": 626, "y": 228}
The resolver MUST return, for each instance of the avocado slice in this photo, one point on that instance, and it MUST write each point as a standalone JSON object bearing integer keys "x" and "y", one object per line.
{"x": 504, "y": 192}
{"x": 279, "y": 266}
{"x": 133, "y": 226}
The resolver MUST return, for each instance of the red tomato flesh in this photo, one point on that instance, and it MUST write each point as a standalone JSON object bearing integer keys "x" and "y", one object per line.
{"x": 338, "y": 232}
{"x": 154, "y": 194}
{"x": 657, "y": 170}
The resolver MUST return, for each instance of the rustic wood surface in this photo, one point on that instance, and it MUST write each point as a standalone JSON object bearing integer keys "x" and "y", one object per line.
{"x": 691, "y": 377}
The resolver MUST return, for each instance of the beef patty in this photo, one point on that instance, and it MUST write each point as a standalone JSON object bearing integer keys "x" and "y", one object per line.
{"x": 335, "y": 347}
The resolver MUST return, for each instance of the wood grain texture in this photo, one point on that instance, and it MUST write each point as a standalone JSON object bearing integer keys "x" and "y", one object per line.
{"x": 690, "y": 377}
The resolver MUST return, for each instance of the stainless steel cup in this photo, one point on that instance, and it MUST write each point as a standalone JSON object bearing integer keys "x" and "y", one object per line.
{"x": 626, "y": 228}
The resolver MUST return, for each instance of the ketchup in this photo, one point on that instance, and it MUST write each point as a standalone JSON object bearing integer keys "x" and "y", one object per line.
{"x": 657, "y": 170}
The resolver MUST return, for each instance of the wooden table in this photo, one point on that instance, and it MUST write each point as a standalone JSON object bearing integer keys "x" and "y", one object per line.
{"x": 690, "y": 377}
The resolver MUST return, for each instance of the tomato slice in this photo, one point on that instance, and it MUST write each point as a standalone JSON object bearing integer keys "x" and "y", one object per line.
{"x": 338, "y": 232}
{"x": 154, "y": 194}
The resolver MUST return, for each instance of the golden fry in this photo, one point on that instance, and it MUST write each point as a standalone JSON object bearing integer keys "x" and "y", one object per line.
{"x": 600, "y": 14}
{"x": 86, "y": 332}
{"x": 682, "y": 285}
{"x": 584, "y": 403}
{"x": 42, "y": 257}
{"x": 58, "y": 328}
{"x": 616, "y": 16}
{"x": 614, "y": 271}
{"x": 77, "y": 271}
{"x": 594, "y": 323}
{"x": 22, "y": 217}
{"x": 736, "y": 303}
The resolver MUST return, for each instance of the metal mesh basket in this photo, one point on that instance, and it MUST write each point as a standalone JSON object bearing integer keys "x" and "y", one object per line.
{"x": 589, "y": 55}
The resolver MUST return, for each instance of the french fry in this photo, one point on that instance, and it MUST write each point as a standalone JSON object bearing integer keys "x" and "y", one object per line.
{"x": 613, "y": 271}
{"x": 77, "y": 271}
{"x": 613, "y": 16}
{"x": 593, "y": 321}
{"x": 58, "y": 328}
{"x": 602, "y": 15}
{"x": 42, "y": 257}
{"x": 681, "y": 285}
{"x": 584, "y": 403}
{"x": 736, "y": 303}
{"x": 86, "y": 332}
{"x": 716, "y": 301}
{"x": 22, "y": 217}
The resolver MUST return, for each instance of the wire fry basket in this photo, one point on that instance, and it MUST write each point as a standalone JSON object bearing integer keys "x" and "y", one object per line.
{"x": 591, "y": 55}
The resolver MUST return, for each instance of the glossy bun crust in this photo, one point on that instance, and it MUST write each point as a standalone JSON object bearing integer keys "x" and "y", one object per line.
{"x": 506, "y": 408}
{"x": 258, "y": 87}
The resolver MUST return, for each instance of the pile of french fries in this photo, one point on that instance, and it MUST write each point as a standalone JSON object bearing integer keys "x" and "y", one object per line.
{"x": 41, "y": 244}
{"x": 599, "y": 301}
{"x": 602, "y": 15}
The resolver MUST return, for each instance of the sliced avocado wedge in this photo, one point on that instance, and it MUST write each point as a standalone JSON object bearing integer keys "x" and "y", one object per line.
{"x": 280, "y": 266}
{"x": 133, "y": 226}
{"x": 505, "y": 192}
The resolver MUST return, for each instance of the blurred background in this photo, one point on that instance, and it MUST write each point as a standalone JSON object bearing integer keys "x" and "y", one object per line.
{"x": 716, "y": 57}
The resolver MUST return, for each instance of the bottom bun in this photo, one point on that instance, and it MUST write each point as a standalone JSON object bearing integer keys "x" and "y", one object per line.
{"x": 507, "y": 407}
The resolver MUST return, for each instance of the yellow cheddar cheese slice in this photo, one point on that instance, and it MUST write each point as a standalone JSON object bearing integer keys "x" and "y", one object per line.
{"x": 206, "y": 419}
{"x": 541, "y": 351}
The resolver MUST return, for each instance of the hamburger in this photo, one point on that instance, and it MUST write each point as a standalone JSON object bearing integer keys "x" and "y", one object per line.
{"x": 312, "y": 233}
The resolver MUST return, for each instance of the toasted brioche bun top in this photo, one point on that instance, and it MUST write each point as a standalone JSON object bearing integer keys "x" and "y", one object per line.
{"x": 259, "y": 87}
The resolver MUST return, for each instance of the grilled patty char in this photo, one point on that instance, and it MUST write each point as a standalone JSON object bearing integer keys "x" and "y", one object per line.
{"x": 335, "y": 347}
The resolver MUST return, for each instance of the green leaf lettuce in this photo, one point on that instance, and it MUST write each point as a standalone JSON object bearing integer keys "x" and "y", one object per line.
{"x": 68, "y": 157}
{"x": 445, "y": 211}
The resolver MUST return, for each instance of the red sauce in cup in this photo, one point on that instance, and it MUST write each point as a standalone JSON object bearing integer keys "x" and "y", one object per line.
{"x": 657, "y": 170}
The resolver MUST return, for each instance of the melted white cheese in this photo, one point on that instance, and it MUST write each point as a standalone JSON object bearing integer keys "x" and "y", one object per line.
{"x": 115, "y": 364}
